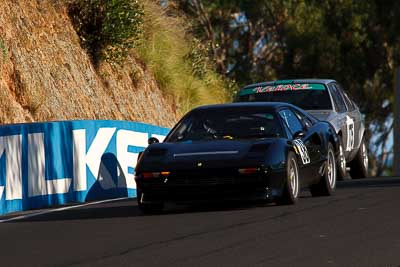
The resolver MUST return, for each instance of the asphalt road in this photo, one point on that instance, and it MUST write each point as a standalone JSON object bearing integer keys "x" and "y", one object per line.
{"x": 359, "y": 226}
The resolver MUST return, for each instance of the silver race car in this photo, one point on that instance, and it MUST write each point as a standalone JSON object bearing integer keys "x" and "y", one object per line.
{"x": 327, "y": 101}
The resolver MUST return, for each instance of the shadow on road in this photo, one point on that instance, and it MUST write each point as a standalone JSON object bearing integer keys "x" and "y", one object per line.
{"x": 114, "y": 210}
{"x": 128, "y": 208}
{"x": 217, "y": 206}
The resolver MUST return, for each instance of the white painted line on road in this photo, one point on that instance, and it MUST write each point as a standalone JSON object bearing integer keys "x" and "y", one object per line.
{"x": 21, "y": 217}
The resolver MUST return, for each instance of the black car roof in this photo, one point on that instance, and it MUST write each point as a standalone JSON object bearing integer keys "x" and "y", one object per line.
{"x": 322, "y": 81}
{"x": 270, "y": 105}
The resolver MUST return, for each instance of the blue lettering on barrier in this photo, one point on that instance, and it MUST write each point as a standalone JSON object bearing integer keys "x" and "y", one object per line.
{"x": 47, "y": 164}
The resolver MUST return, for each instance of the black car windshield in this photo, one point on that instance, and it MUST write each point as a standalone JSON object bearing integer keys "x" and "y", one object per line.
{"x": 229, "y": 124}
{"x": 308, "y": 99}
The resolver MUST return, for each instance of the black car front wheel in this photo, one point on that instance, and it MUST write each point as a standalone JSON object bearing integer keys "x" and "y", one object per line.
{"x": 359, "y": 165}
{"x": 327, "y": 183}
{"x": 292, "y": 183}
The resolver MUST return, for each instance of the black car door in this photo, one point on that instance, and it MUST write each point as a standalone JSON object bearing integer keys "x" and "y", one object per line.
{"x": 312, "y": 137}
{"x": 302, "y": 144}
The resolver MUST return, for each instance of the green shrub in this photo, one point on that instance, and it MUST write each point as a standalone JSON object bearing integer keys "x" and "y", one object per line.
{"x": 107, "y": 28}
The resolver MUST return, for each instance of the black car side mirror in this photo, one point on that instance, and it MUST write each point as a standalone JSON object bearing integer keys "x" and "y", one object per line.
{"x": 298, "y": 134}
{"x": 152, "y": 140}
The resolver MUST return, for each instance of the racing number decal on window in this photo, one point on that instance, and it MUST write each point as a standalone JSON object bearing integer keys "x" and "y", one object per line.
{"x": 350, "y": 133}
{"x": 301, "y": 149}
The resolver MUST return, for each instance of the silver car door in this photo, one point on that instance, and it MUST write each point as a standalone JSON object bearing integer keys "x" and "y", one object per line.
{"x": 355, "y": 116}
{"x": 345, "y": 123}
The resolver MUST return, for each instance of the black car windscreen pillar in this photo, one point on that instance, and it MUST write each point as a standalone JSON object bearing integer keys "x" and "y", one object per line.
{"x": 396, "y": 133}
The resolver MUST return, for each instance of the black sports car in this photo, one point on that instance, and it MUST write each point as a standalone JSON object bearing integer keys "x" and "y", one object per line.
{"x": 228, "y": 151}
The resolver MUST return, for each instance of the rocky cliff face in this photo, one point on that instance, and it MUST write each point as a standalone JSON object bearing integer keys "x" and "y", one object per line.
{"x": 47, "y": 76}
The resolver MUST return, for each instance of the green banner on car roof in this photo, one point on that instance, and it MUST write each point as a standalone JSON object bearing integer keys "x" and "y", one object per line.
{"x": 283, "y": 82}
{"x": 281, "y": 87}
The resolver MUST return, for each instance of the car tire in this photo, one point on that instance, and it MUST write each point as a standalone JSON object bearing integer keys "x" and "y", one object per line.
{"x": 341, "y": 162}
{"x": 359, "y": 165}
{"x": 291, "y": 186}
{"x": 149, "y": 208}
{"x": 327, "y": 183}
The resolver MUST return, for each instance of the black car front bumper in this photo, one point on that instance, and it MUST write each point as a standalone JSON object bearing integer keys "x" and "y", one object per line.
{"x": 210, "y": 185}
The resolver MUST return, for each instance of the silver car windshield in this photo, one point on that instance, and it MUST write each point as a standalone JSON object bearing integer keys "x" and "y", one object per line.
{"x": 305, "y": 99}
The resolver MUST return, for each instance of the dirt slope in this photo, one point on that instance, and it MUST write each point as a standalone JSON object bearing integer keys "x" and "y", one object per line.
{"x": 46, "y": 75}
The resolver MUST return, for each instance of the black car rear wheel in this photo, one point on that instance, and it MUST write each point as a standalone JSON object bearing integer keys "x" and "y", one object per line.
{"x": 359, "y": 165}
{"x": 148, "y": 208}
{"x": 292, "y": 183}
{"x": 327, "y": 183}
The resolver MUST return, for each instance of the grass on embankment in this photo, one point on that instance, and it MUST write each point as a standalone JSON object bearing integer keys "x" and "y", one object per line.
{"x": 165, "y": 48}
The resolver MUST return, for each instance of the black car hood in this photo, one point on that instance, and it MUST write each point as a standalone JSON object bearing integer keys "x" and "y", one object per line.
{"x": 205, "y": 154}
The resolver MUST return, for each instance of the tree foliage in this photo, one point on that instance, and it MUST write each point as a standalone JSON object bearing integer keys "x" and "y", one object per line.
{"x": 354, "y": 42}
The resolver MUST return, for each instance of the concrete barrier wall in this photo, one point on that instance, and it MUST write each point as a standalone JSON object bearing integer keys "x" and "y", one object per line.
{"x": 54, "y": 163}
